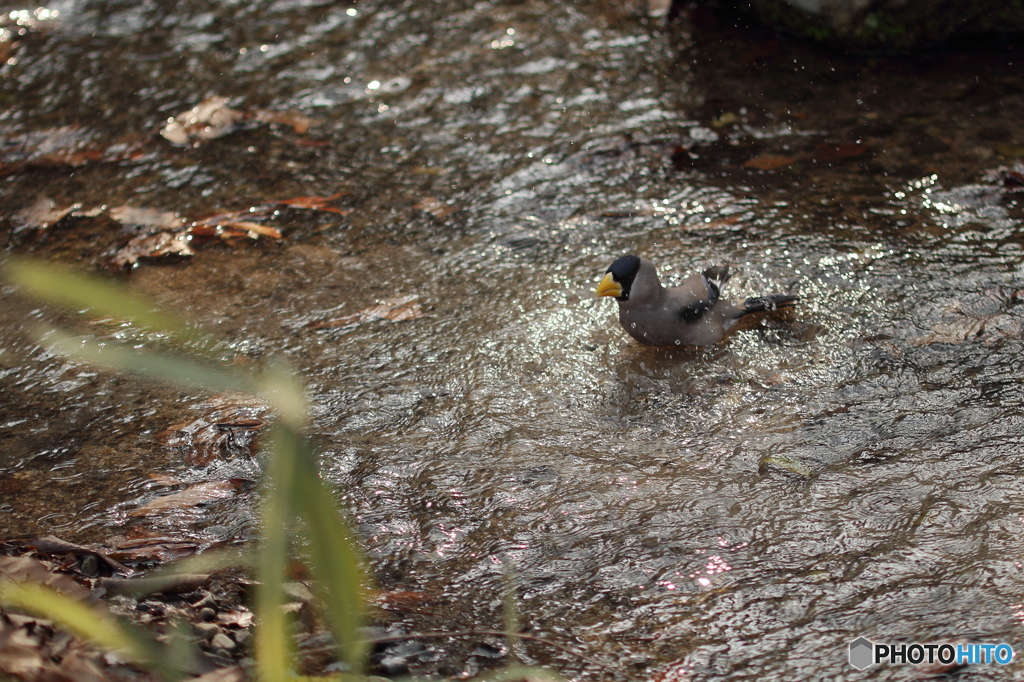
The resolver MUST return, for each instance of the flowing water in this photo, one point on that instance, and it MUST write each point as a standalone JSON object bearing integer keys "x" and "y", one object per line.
{"x": 739, "y": 511}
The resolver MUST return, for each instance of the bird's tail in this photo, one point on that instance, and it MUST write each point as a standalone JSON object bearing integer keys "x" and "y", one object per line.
{"x": 765, "y": 303}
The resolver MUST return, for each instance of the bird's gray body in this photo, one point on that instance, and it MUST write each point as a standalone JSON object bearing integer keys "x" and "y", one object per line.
{"x": 692, "y": 314}
{"x": 656, "y": 316}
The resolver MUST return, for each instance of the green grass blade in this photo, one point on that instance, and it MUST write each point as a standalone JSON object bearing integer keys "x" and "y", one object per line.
{"x": 64, "y": 287}
{"x": 210, "y": 561}
{"x": 284, "y": 391}
{"x": 97, "y": 627}
{"x": 273, "y": 649}
{"x": 521, "y": 674}
{"x": 335, "y": 561}
{"x": 511, "y": 609}
{"x": 159, "y": 366}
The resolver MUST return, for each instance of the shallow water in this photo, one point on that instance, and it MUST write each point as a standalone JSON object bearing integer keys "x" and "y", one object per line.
{"x": 742, "y": 510}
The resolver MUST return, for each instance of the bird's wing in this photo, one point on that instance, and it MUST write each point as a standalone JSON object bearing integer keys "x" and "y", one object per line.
{"x": 694, "y": 297}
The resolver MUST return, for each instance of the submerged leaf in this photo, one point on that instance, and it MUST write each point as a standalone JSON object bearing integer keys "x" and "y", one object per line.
{"x": 227, "y": 426}
{"x": 435, "y": 207}
{"x": 146, "y": 217}
{"x": 397, "y": 309}
{"x": 192, "y": 496}
{"x": 768, "y": 162}
{"x": 208, "y": 120}
{"x": 42, "y": 214}
{"x": 156, "y": 245}
{"x": 787, "y": 463}
{"x": 313, "y": 203}
{"x": 299, "y": 122}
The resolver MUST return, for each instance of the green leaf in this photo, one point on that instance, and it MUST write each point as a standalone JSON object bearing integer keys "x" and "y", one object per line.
{"x": 335, "y": 561}
{"x": 210, "y": 561}
{"x": 519, "y": 673}
{"x": 160, "y": 366}
{"x": 273, "y": 648}
{"x": 284, "y": 391}
{"x": 64, "y": 287}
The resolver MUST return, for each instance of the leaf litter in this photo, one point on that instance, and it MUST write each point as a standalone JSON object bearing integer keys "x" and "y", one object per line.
{"x": 170, "y": 235}
{"x": 34, "y": 648}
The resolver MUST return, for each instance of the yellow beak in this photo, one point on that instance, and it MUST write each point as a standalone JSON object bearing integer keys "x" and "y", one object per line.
{"x": 609, "y": 287}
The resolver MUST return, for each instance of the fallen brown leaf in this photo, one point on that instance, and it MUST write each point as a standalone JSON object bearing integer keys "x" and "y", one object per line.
{"x": 227, "y": 426}
{"x": 23, "y": 569}
{"x": 398, "y": 309}
{"x": 151, "y": 218}
{"x": 435, "y": 207}
{"x": 768, "y": 162}
{"x": 153, "y": 246}
{"x": 42, "y": 214}
{"x": 242, "y": 618}
{"x": 192, "y": 496}
{"x": 838, "y": 152}
{"x": 313, "y": 203}
{"x": 299, "y": 122}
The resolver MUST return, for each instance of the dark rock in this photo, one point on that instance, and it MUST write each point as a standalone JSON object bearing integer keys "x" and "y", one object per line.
{"x": 887, "y": 25}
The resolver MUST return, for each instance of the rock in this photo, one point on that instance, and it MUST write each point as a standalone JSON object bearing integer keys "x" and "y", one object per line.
{"x": 207, "y": 630}
{"x": 393, "y": 665}
{"x": 887, "y": 25}
{"x": 222, "y": 641}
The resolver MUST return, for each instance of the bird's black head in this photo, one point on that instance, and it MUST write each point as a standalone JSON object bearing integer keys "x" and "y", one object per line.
{"x": 622, "y": 273}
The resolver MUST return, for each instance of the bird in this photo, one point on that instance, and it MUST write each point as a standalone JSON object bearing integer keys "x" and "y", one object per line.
{"x": 692, "y": 314}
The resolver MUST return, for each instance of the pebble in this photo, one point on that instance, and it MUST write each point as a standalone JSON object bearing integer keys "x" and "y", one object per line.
{"x": 222, "y": 641}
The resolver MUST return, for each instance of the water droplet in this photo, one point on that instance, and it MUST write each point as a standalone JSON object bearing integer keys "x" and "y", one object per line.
{"x": 633, "y": 325}
{"x": 678, "y": 342}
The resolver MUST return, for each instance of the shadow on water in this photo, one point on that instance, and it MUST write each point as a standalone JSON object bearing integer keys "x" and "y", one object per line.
{"x": 746, "y": 509}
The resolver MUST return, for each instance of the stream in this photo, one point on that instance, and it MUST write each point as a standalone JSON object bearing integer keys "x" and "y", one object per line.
{"x": 738, "y": 511}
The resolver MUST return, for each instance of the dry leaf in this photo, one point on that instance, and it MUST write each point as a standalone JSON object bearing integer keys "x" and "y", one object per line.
{"x": 234, "y": 673}
{"x": 242, "y": 618}
{"x": 313, "y": 203}
{"x": 768, "y": 162}
{"x": 23, "y": 569}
